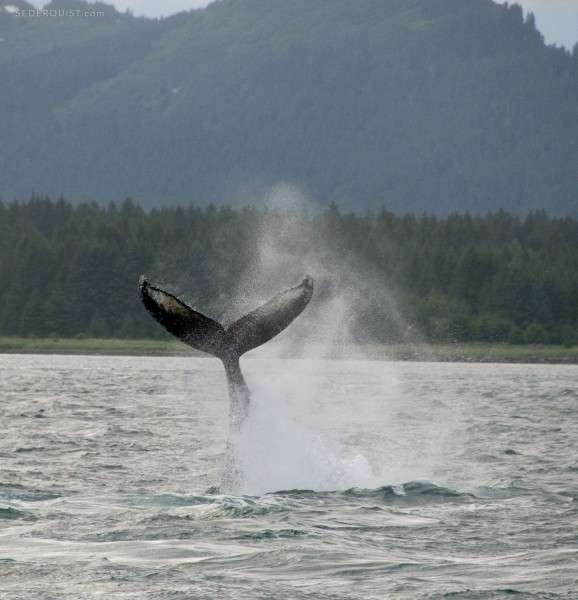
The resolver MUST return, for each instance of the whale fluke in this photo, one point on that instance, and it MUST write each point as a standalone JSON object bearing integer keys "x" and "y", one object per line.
{"x": 207, "y": 335}
{"x": 192, "y": 327}
{"x": 270, "y": 319}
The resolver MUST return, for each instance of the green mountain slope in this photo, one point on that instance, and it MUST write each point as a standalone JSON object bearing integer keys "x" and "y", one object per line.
{"x": 415, "y": 105}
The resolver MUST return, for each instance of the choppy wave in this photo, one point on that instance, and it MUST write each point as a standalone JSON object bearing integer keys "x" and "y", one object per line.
{"x": 458, "y": 481}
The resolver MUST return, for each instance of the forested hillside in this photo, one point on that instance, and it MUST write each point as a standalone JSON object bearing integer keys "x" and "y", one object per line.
{"x": 411, "y": 105}
{"x": 70, "y": 271}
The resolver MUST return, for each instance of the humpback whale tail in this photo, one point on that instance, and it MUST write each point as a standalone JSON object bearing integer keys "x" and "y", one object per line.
{"x": 228, "y": 344}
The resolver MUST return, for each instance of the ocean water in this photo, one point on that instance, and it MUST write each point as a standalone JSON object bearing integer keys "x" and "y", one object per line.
{"x": 362, "y": 480}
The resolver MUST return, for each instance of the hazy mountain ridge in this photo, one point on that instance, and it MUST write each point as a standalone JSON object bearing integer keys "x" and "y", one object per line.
{"x": 432, "y": 105}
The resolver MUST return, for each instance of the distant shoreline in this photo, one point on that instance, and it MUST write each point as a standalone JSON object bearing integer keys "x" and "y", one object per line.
{"x": 463, "y": 352}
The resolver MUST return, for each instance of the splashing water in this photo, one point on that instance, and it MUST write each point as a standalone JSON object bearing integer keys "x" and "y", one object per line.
{"x": 285, "y": 444}
{"x": 289, "y": 439}
{"x": 295, "y": 436}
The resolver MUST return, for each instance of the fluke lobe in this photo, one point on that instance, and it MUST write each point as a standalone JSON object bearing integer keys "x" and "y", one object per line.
{"x": 228, "y": 344}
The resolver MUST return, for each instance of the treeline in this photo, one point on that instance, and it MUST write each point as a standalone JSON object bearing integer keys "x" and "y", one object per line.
{"x": 69, "y": 270}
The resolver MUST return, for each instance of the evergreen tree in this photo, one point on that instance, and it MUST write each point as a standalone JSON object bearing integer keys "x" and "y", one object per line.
{"x": 70, "y": 270}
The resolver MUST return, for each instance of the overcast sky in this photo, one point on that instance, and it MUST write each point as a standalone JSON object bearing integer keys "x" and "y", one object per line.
{"x": 557, "y": 19}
